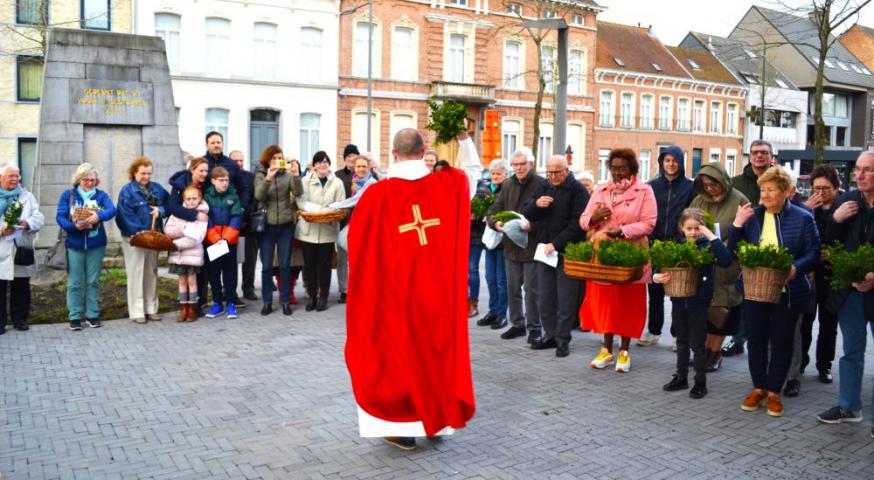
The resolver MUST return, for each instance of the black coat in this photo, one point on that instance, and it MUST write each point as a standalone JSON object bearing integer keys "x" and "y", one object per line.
{"x": 559, "y": 223}
{"x": 514, "y": 195}
{"x": 672, "y": 197}
{"x": 853, "y": 233}
{"x": 248, "y": 180}
{"x": 244, "y": 192}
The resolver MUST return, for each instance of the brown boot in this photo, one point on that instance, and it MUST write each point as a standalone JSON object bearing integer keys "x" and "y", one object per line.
{"x": 183, "y": 313}
{"x": 192, "y": 312}
{"x": 472, "y": 309}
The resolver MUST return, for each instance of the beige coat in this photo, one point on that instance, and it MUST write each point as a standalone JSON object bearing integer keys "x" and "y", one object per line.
{"x": 314, "y": 192}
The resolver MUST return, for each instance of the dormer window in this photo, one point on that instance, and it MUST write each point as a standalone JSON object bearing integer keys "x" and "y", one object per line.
{"x": 657, "y": 67}
{"x": 619, "y": 61}
{"x": 750, "y": 53}
{"x": 694, "y": 64}
{"x": 578, "y": 20}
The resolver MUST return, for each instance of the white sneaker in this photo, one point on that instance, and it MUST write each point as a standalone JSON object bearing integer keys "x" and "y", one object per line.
{"x": 623, "y": 363}
{"x": 674, "y": 345}
{"x": 648, "y": 339}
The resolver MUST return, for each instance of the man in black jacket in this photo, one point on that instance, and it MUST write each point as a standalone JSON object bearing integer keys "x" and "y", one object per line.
{"x": 557, "y": 206}
{"x": 519, "y": 262}
{"x": 250, "y": 256}
{"x": 853, "y": 224}
{"x": 673, "y": 192}
{"x": 215, "y": 158}
{"x": 350, "y": 153}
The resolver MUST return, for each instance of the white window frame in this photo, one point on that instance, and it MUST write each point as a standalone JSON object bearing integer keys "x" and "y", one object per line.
{"x": 218, "y": 44}
{"x": 580, "y": 78}
{"x": 715, "y": 108}
{"x": 701, "y": 125}
{"x": 627, "y": 121}
{"x": 518, "y": 135}
{"x": 603, "y": 165}
{"x": 712, "y": 152}
{"x": 376, "y": 117}
{"x": 403, "y": 67}
{"x": 579, "y": 160}
{"x": 645, "y": 164}
{"x": 647, "y": 122}
{"x": 223, "y": 128}
{"x": 578, "y": 20}
{"x": 514, "y": 80}
{"x": 730, "y": 161}
{"x": 547, "y": 134}
{"x": 607, "y": 117}
{"x": 550, "y": 67}
{"x": 684, "y": 123}
{"x": 731, "y": 123}
{"x": 171, "y": 37}
{"x": 393, "y": 125}
{"x": 514, "y": 9}
{"x": 306, "y": 154}
{"x": 313, "y": 70}
{"x": 359, "y": 49}
{"x": 264, "y": 57}
{"x": 666, "y": 123}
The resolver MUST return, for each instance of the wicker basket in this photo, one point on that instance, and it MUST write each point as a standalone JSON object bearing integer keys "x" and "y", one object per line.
{"x": 80, "y": 214}
{"x": 684, "y": 282}
{"x": 323, "y": 217}
{"x": 153, "y": 239}
{"x": 763, "y": 284}
{"x": 602, "y": 273}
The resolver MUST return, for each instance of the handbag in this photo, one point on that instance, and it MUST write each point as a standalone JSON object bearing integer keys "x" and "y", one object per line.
{"x": 259, "y": 221}
{"x": 492, "y": 238}
{"x": 56, "y": 257}
{"x": 153, "y": 239}
{"x": 717, "y": 316}
{"x": 23, "y": 255}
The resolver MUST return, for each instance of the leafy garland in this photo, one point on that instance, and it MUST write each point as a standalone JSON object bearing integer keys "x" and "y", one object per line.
{"x": 506, "y": 216}
{"x": 849, "y": 267}
{"x": 479, "y": 206}
{"x": 669, "y": 254}
{"x": 754, "y": 256}
{"x": 447, "y": 120}
{"x": 614, "y": 253}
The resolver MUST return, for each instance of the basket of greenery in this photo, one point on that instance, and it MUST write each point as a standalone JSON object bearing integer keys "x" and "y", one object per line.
{"x": 764, "y": 270}
{"x": 608, "y": 261}
{"x": 681, "y": 261}
{"x": 848, "y": 268}
{"x": 447, "y": 120}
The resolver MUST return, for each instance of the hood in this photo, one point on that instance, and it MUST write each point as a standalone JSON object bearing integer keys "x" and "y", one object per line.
{"x": 180, "y": 179}
{"x": 678, "y": 154}
{"x": 715, "y": 171}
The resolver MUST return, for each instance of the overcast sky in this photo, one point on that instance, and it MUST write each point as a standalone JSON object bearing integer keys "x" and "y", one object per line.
{"x": 672, "y": 19}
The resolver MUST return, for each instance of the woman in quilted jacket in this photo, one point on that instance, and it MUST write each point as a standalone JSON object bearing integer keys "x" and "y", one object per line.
{"x": 187, "y": 260}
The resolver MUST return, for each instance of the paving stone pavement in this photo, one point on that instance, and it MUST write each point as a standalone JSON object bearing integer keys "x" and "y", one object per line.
{"x": 269, "y": 397}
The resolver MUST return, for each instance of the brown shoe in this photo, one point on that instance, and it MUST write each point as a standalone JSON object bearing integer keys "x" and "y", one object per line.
{"x": 154, "y": 317}
{"x": 775, "y": 405}
{"x": 754, "y": 400}
{"x": 139, "y": 320}
{"x": 472, "y": 308}
{"x": 183, "y": 313}
{"x": 192, "y": 313}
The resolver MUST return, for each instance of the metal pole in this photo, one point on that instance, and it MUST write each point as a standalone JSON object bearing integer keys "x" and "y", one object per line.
{"x": 369, "y": 70}
{"x": 762, "y": 116}
{"x": 560, "y": 128}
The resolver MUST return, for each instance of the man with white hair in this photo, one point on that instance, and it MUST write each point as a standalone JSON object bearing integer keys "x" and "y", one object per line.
{"x": 519, "y": 262}
{"x": 557, "y": 206}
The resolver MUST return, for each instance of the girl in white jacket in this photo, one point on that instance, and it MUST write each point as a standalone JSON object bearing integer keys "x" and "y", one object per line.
{"x": 187, "y": 260}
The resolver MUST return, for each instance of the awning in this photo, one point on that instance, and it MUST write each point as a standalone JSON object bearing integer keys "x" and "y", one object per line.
{"x": 849, "y": 155}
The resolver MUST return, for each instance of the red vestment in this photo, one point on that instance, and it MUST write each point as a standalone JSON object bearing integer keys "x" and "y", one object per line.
{"x": 406, "y": 318}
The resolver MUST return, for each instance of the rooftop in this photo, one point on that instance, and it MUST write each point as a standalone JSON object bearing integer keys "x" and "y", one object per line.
{"x": 635, "y": 49}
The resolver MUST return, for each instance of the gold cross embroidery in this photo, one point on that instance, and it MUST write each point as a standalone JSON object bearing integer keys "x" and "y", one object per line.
{"x": 419, "y": 225}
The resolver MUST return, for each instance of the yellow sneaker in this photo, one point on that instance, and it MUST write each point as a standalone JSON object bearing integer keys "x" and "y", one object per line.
{"x": 623, "y": 365}
{"x": 603, "y": 359}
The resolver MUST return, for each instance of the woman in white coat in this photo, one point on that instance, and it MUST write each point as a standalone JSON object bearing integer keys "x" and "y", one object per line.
{"x": 15, "y": 276}
{"x": 320, "y": 189}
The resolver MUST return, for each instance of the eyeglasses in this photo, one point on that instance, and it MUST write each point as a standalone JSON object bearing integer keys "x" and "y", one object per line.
{"x": 88, "y": 180}
{"x": 711, "y": 186}
{"x": 867, "y": 171}
{"x": 620, "y": 168}
{"x": 222, "y": 180}
{"x": 555, "y": 173}
{"x": 519, "y": 164}
{"x": 760, "y": 152}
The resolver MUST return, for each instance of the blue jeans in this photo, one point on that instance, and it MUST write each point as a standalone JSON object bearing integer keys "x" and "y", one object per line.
{"x": 473, "y": 272}
{"x": 222, "y": 274}
{"x": 276, "y": 237}
{"x": 496, "y": 278}
{"x": 83, "y": 273}
{"x": 852, "y": 321}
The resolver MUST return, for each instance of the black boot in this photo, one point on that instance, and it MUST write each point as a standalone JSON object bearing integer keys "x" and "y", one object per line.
{"x": 677, "y": 383}
{"x": 322, "y": 304}
{"x": 699, "y": 390}
{"x": 311, "y": 303}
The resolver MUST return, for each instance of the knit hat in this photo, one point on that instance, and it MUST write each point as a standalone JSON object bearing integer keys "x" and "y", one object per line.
{"x": 350, "y": 149}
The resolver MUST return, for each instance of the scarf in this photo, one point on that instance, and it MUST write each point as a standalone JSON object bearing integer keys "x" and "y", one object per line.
{"x": 86, "y": 199}
{"x": 7, "y": 197}
{"x": 618, "y": 189}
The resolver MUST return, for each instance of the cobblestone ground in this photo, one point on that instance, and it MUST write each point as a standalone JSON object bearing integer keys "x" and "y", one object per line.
{"x": 269, "y": 397}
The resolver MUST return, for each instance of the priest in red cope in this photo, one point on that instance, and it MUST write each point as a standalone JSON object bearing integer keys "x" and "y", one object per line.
{"x": 406, "y": 318}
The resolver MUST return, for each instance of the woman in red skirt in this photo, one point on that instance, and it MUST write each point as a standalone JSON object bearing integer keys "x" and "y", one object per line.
{"x": 623, "y": 209}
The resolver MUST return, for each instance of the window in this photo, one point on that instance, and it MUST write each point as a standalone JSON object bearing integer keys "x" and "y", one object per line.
{"x": 829, "y": 63}
{"x": 730, "y": 161}
{"x": 264, "y": 52}
{"x": 656, "y": 67}
{"x": 27, "y": 12}
{"x": 514, "y": 8}
{"x": 29, "y": 78}
{"x": 27, "y": 160}
{"x": 683, "y": 114}
{"x": 359, "y": 132}
{"x": 866, "y": 71}
{"x": 95, "y": 14}
{"x": 549, "y": 14}
{"x": 843, "y": 66}
{"x": 645, "y": 161}
{"x": 841, "y": 137}
{"x": 665, "y": 113}
{"x": 647, "y": 113}
{"x": 751, "y": 78}
{"x": 218, "y": 43}
{"x": 855, "y": 68}
{"x": 715, "y": 117}
{"x": 311, "y": 52}
{"x": 217, "y": 121}
{"x": 576, "y": 139}
{"x": 456, "y": 58}
{"x": 547, "y": 56}
{"x": 309, "y": 135}
{"x": 698, "y": 116}
{"x": 400, "y": 121}
{"x": 750, "y": 53}
{"x": 167, "y": 27}
{"x": 693, "y": 64}
{"x": 402, "y": 54}
{"x": 731, "y": 119}
{"x": 842, "y": 106}
{"x": 619, "y": 61}
{"x": 626, "y": 110}
{"x": 606, "y": 119}
{"x": 457, "y": 2}
{"x": 779, "y": 119}
{"x": 544, "y": 146}
{"x": 578, "y": 20}
{"x": 512, "y": 75}
{"x": 781, "y": 83}
{"x": 576, "y": 76}
{"x": 715, "y": 154}
{"x": 603, "y": 167}
{"x": 360, "y": 48}
{"x": 510, "y": 134}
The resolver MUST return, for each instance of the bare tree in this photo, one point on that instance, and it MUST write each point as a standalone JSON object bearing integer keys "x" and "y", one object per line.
{"x": 30, "y": 38}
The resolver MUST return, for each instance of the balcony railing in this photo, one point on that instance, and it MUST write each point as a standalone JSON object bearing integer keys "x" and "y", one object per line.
{"x": 463, "y": 92}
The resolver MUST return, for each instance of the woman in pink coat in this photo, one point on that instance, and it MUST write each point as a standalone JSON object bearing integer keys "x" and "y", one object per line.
{"x": 623, "y": 209}
{"x": 187, "y": 260}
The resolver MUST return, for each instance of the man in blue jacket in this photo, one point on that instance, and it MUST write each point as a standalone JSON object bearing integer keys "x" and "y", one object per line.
{"x": 216, "y": 158}
{"x": 674, "y": 193}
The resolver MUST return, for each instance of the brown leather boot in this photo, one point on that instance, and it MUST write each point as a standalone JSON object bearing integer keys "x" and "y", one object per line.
{"x": 192, "y": 312}
{"x": 183, "y": 312}
{"x": 472, "y": 309}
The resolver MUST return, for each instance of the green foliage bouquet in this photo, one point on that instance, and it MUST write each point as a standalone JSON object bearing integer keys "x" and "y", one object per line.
{"x": 670, "y": 254}
{"x": 447, "y": 120}
{"x": 506, "y": 216}
{"x": 849, "y": 267}
{"x": 614, "y": 253}
{"x": 754, "y": 256}
{"x": 479, "y": 206}
{"x": 12, "y": 214}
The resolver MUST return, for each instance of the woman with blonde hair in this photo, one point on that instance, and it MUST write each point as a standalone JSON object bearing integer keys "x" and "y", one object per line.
{"x": 82, "y": 210}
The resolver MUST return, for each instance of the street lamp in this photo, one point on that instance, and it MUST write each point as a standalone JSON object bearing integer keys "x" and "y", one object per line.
{"x": 350, "y": 11}
{"x": 560, "y": 128}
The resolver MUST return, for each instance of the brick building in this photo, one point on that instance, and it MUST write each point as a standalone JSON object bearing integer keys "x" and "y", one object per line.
{"x": 651, "y": 96}
{"x": 468, "y": 51}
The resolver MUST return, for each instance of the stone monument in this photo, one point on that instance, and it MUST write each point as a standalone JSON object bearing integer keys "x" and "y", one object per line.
{"x": 106, "y": 99}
